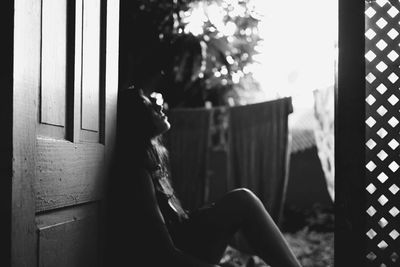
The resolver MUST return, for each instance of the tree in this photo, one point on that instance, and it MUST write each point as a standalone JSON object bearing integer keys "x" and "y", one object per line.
{"x": 194, "y": 51}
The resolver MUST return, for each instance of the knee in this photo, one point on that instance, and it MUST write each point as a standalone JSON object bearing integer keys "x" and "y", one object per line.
{"x": 244, "y": 196}
{"x": 238, "y": 205}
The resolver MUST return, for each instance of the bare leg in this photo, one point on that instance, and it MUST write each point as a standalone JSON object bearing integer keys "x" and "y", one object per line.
{"x": 243, "y": 210}
{"x": 259, "y": 229}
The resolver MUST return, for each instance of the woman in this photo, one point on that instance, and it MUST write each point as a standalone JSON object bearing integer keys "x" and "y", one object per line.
{"x": 147, "y": 216}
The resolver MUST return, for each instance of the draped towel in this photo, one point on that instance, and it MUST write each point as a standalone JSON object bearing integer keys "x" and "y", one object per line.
{"x": 324, "y": 110}
{"x": 257, "y": 151}
{"x": 187, "y": 141}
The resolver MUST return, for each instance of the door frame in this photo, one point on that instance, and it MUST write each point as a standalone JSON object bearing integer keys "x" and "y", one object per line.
{"x": 350, "y": 243}
{"x": 6, "y": 109}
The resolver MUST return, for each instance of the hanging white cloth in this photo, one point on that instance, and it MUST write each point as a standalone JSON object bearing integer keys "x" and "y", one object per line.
{"x": 324, "y": 134}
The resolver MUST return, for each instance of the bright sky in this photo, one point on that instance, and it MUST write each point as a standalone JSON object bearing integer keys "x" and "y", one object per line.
{"x": 298, "y": 51}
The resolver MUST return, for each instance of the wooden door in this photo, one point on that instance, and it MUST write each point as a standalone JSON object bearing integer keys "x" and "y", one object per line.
{"x": 64, "y": 114}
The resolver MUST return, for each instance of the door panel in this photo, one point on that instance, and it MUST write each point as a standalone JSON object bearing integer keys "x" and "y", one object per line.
{"x": 65, "y": 95}
{"x": 67, "y": 173}
{"x": 70, "y": 243}
{"x": 69, "y": 237}
{"x": 91, "y": 66}
{"x": 54, "y": 62}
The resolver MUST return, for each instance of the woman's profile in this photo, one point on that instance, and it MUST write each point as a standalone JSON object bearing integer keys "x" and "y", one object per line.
{"x": 147, "y": 225}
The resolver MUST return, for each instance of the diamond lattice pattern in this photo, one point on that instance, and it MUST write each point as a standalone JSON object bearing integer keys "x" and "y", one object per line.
{"x": 382, "y": 58}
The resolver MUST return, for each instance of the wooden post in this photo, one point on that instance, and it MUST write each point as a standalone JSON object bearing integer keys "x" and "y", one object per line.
{"x": 349, "y": 138}
{"x": 6, "y": 94}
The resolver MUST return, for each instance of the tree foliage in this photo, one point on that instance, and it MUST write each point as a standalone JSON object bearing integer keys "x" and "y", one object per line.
{"x": 192, "y": 65}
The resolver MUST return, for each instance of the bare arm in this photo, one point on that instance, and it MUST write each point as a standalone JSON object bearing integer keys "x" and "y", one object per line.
{"x": 173, "y": 255}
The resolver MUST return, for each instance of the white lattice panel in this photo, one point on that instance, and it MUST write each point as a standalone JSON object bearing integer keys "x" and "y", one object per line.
{"x": 382, "y": 51}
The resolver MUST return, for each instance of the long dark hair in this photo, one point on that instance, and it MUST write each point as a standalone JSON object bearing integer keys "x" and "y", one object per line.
{"x": 135, "y": 150}
{"x": 137, "y": 147}
{"x": 135, "y": 128}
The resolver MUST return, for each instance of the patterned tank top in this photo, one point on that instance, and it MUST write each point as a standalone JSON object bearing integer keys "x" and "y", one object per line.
{"x": 169, "y": 204}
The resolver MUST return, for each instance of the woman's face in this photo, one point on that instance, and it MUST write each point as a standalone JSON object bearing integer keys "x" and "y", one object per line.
{"x": 160, "y": 120}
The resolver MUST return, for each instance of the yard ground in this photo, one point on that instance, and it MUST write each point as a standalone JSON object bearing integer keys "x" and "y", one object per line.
{"x": 311, "y": 240}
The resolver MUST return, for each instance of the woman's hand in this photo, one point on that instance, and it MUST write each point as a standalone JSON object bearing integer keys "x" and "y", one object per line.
{"x": 165, "y": 245}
